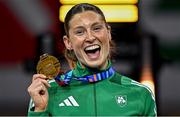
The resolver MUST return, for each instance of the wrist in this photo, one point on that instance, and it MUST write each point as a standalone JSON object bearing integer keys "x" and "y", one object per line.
{"x": 39, "y": 109}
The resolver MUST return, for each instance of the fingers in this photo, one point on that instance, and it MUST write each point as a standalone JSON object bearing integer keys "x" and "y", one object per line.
{"x": 35, "y": 76}
{"x": 45, "y": 83}
{"x": 41, "y": 78}
{"x": 38, "y": 90}
{"x": 41, "y": 81}
{"x": 38, "y": 86}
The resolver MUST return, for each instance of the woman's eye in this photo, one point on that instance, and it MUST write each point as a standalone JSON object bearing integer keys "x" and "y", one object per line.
{"x": 79, "y": 32}
{"x": 97, "y": 28}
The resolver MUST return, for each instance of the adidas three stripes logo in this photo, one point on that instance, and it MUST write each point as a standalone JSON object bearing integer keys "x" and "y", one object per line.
{"x": 70, "y": 101}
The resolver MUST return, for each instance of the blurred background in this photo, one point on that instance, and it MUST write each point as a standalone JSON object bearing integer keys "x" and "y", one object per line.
{"x": 146, "y": 33}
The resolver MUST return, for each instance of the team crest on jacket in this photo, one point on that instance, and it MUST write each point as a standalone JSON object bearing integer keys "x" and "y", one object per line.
{"x": 121, "y": 100}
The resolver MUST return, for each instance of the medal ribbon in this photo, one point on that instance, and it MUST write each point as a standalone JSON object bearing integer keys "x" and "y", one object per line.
{"x": 65, "y": 79}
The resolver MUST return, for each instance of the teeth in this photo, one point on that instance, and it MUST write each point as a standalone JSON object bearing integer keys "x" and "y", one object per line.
{"x": 92, "y": 47}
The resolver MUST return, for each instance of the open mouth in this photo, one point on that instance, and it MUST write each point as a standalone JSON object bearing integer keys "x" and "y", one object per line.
{"x": 93, "y": 51}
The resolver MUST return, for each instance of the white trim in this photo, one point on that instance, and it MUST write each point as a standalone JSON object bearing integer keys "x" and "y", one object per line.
{"x": 152, "y": 95}
{"x": 141, "y": 85}
{"x": 50, "y": 81}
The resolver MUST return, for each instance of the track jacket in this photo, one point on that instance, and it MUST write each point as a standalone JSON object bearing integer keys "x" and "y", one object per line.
{"x": 116, "y": 95}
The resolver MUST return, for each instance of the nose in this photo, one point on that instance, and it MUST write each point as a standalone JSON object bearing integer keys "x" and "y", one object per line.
{"x": 90, "y": 36}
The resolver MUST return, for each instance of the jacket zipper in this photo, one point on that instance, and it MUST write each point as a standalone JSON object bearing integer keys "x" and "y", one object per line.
{"x": 95, "y": 103}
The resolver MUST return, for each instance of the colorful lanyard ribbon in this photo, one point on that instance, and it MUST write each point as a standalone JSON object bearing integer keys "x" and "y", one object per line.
{"x": 65, "y": 79}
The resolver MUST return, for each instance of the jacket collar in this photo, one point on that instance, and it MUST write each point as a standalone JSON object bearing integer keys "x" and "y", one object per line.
{"x": 81, "y": 71}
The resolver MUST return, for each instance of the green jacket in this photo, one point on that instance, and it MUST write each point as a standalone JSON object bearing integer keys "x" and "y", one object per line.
{"x": 114, "y": 96}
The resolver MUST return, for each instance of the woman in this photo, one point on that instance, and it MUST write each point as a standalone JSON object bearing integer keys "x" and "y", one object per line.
{"x": 92, "y": 88}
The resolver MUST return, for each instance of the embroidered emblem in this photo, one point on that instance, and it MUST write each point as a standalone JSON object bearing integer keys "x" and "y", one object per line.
{"x": 121, "y": 100}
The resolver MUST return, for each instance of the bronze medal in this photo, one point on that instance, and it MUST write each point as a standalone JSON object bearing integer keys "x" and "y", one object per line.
{"x": 48, "y": 65}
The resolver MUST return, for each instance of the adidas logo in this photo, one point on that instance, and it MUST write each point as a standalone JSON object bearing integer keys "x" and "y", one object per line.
{"x": 70, "y": 101}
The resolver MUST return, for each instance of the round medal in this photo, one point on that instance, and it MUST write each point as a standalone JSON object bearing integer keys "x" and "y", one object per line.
{"x": 48, "y": 65}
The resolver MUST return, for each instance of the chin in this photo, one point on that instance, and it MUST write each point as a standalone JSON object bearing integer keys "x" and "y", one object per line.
{"x": 94, "y": 64}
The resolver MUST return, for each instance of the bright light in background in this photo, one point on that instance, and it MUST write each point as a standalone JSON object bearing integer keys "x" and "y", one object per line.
{"x": 147, "y": 79}
{"x": 113, "y": 13}
{"x": 150, "y": 84}
{"x": 99, "y": 1}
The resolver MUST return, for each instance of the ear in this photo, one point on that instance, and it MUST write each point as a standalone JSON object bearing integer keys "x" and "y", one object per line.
{"x": 67, "y": 42}
{"x": 109, "y": 32}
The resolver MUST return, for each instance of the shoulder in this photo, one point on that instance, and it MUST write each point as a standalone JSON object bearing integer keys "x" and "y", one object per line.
{"x": 132, "y": 85}
{"x": 143, "y": 89}
{"x": 136, "y": 85}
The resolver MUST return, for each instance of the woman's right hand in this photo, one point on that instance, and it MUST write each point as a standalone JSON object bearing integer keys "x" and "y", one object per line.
{"x": 38, "y": 92}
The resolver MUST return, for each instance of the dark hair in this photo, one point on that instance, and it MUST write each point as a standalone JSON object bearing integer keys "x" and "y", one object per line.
{"x": 79, "y": 8}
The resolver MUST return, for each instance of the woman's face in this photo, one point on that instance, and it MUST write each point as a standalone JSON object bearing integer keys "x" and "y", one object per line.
{"x": 89, "y": 38}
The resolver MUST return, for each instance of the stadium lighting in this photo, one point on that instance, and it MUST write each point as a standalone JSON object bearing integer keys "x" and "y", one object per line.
{"x": 99, "y": 1}
{"x": 113, "y": 13}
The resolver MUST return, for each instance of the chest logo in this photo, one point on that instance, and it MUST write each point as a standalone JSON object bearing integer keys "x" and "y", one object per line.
{"x": 121, "y": 100}
{"x": 70, "y": 101}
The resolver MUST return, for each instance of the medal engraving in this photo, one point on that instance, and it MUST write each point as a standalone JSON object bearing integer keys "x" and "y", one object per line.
{"x": 48, "y": 65}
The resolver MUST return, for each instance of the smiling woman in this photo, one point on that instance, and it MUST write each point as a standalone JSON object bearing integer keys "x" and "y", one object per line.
{"x": 92, "y": 87}
{"x": 89, "y": 39}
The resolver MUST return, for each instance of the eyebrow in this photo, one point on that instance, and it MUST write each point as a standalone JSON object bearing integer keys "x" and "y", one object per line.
{"x": 96, "y": 23}
{"x": 78, "y": 27}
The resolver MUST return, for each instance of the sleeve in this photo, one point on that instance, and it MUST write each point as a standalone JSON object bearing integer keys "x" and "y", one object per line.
{"x": 150, "y": 104}
{"x": 32, "y": 113}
